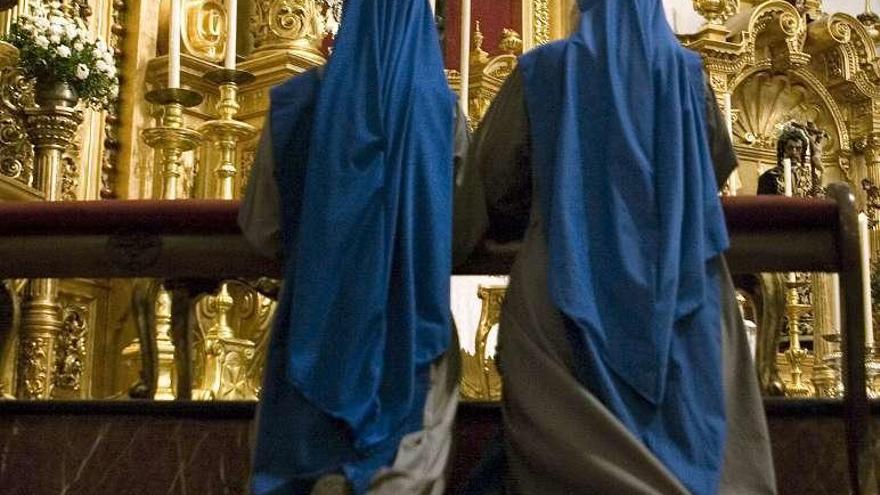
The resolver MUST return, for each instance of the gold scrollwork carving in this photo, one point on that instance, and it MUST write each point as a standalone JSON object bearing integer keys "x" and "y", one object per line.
{"x": 716, "y": 11}
{"x": 70, "y": 170}
{"x": 70, "y": 354}
{"x": 204, "y": 31}
{"x": 248, "y": 157}
{"x": 541, "y": 22}
{"x": 112, "y": 144}
{"x": 280, "y": 24}
{"x": 32, "y": 367}
{"x": 16, "y": 153}
{"x": 480, "y": 379}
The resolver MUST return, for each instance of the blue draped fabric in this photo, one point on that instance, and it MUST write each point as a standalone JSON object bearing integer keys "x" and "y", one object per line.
{"x": 364, "y": 167}
{"x": 634, "y": 226}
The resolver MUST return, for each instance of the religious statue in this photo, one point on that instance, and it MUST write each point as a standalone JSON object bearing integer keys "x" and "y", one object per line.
{"x": 802, "y": 145}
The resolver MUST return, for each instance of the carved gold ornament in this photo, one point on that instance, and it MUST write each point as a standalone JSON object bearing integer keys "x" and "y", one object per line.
{"x": 204, "y": 29}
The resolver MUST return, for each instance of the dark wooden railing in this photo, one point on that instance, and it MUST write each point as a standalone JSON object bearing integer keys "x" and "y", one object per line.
{"x": 192, "y": 239}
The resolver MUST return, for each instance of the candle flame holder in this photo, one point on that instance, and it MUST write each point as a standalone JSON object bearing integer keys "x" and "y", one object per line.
{"x": 170, "y": 137}
{"x": 225, "y": 131}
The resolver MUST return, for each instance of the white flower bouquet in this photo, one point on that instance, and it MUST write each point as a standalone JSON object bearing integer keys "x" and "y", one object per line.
{"x": 55, "y": 48}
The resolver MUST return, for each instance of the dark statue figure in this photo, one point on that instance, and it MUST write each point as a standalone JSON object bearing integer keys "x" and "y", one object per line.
{"x": 802, "y": 144}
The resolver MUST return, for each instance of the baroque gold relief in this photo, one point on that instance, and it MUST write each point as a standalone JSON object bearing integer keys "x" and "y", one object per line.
{"x": 480, "y": 379}
{"x": 766, "y": 101}
{"x": 280, "y": 24}
{"x": 16, "y": 153}
{"x": 204, "y": 29}
{"x": 70, "y": 356}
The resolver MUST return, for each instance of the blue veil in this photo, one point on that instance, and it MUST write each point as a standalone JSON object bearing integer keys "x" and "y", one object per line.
{"x": 364, "y": 165}
{"x": 634, "y": 226}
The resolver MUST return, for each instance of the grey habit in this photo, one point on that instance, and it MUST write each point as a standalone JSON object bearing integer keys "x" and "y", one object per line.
{"x": 422, "y": 457}
{"x": 559, "y": 438}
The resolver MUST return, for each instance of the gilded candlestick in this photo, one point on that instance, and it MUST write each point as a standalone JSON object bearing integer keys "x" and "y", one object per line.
{"x": 795, "y": 354}
{"x": 170, "y": 137}
{"x": 225, "y": 131}
{"x": 226, "y": 354}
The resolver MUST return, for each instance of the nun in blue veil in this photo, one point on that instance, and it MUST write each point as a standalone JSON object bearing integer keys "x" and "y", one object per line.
{"x": 625, "y": 363}
{"x": 353, "y": 188}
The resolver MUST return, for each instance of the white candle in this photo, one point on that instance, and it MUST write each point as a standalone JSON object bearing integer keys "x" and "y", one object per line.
{"x": 174, "y": 46}
{"x": 786, "y": 170}
{"x": 732, "y": 182}
{"x": 465, "y": 55}
{"x": 232, "y": 33}
{"x": 835, "y": 302}
{"x": 866, "y": 278}
{"x": 728, "y": 114}
{"x": 433, "y": 6}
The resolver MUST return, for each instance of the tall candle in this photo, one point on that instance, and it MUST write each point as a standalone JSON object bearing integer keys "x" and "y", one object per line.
{"x": 465, "y": 55}
{"x": 174, "y": 46}
{"x": 728, "y": 114}
{"x": 732, "y": 182}
{"x": 866, "y": 278}
{"x": 786, "y": 170}
{"x": 232, "y": 33}
{"x": 835, "y": 302}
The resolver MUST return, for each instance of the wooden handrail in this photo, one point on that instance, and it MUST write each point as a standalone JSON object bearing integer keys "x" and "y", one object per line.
{"x": 200, "y": 239}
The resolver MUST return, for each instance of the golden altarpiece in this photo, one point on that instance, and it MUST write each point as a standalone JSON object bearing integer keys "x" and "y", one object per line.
{"x": 768, "y": 62}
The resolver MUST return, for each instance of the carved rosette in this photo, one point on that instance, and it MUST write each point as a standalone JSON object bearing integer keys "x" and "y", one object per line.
{"x": 70, "y": 354}
{"x": 292, "y": 24}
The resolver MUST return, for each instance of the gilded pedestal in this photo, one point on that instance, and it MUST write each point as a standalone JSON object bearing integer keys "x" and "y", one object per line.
{"x": 51, "y": 129}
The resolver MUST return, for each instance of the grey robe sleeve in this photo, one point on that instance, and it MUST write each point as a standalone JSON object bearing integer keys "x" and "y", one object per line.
{"x": 493, "y": 189}
{"x": 259, "y": 216}
{"x": 723, "y": 156}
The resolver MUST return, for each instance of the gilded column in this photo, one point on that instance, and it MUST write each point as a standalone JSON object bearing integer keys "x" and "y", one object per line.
{"x": 51, "y": 127}
{"x": 822, "y": 314}
{"x": 165, "y": 382}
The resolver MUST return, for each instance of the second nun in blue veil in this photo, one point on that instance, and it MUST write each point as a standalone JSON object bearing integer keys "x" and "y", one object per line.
{"x": 361, "y": 155}
{"x": 625, "y": 363}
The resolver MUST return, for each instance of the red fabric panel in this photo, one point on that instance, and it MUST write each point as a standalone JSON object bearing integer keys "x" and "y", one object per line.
{"x": 494, "y": 15}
